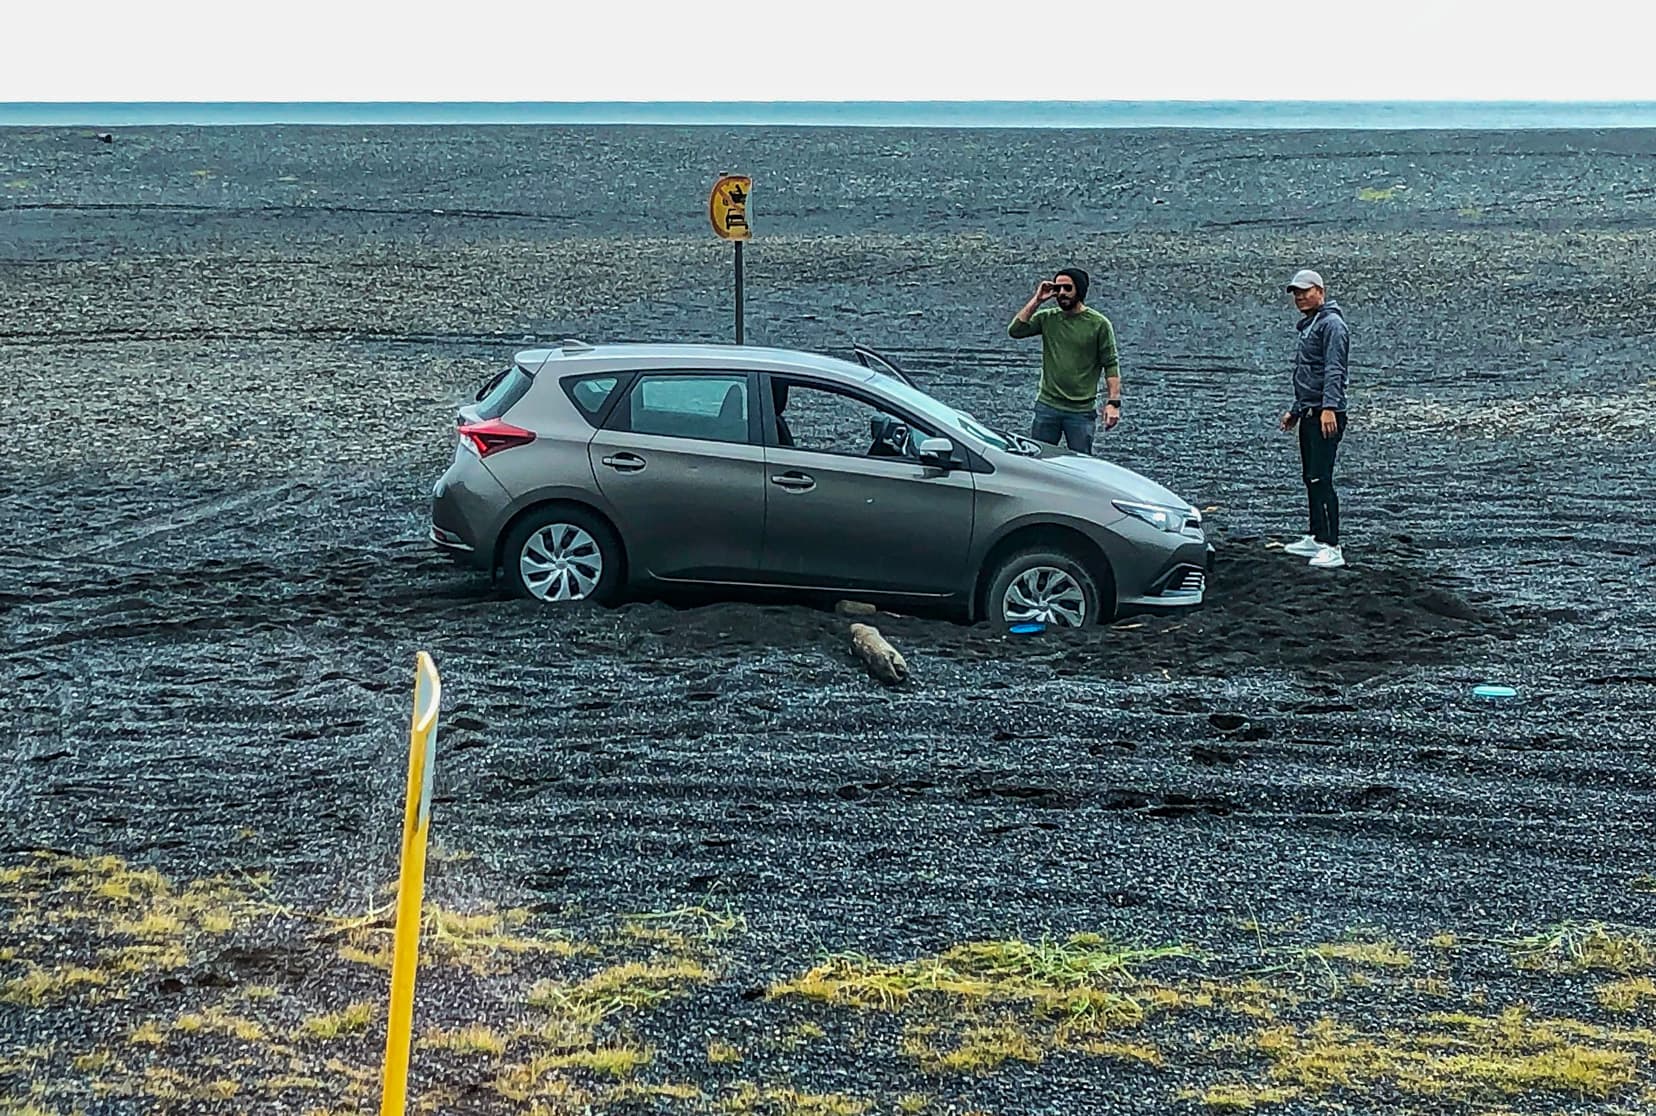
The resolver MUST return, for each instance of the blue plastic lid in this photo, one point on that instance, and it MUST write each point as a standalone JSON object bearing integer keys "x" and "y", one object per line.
{"x": 1495, "y": 693}
{"x": 1030, "y": 628}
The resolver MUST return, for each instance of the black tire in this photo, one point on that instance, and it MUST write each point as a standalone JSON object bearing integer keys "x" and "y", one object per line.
{"x": 546, "y": 528}
{"x": 1027, "y": 562}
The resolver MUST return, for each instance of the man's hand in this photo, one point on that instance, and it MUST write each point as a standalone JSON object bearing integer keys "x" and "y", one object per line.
{"x": 1045, "y": 289}
{"x": 1111, "y": 414}
{"x": 1288, "y": 420}
{"x": 1330, "y": 423}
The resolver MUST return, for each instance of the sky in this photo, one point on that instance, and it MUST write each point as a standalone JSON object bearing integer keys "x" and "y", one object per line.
{"x": 749, "y": 50}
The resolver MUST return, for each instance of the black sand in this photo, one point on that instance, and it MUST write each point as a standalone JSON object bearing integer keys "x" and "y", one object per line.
{"x": 230, "y": 359}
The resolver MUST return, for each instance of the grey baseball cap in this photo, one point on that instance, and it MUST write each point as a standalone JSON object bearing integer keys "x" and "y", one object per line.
{"x": 1303, "y": 279}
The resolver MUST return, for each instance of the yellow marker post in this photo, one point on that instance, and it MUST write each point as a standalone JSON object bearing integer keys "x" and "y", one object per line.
{"x": 405, "y": 959}
{"x": 727, "y": 210}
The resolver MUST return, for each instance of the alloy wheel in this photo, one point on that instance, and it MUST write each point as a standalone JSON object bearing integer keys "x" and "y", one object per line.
{"x": 1046, "y": 594}
{"x": 561, "y": 562}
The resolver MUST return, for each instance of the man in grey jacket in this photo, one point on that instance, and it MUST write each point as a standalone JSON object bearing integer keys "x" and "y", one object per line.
{"x": 1319, "y": 410}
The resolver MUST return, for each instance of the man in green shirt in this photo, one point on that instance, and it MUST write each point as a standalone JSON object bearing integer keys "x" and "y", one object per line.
{"x": 1077, "y": 349}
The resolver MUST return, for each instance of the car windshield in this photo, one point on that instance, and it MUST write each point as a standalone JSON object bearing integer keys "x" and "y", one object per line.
{"x": 927, "y": 407}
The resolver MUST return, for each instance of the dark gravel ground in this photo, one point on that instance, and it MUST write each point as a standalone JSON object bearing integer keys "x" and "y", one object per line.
{"x": 231, "y": 358}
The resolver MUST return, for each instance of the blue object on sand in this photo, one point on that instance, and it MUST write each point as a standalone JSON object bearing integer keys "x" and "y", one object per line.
{"x": 1494, "y": 693}
{"x": 1034, "y": 627}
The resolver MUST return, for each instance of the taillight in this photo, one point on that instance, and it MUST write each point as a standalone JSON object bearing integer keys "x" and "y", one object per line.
{"x": 493, "y": 436}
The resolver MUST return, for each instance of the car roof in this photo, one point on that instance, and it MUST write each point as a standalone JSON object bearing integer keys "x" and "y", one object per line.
{"x": 578, "y": 358}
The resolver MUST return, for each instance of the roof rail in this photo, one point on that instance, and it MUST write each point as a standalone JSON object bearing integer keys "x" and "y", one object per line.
{"x": 575, "y": 345}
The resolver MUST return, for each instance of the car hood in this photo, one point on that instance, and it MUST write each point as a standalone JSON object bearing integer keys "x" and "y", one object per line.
{"x": 1123, "y": 483}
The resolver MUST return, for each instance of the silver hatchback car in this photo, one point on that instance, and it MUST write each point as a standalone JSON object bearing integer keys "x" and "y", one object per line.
{"x": 582, "y": 470}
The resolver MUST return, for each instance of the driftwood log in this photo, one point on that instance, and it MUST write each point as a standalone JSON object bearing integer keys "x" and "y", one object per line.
{"x": 883, "y": 660}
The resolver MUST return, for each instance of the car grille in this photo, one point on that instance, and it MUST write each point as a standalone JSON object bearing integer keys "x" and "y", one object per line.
{"x": 1189, "y": 582}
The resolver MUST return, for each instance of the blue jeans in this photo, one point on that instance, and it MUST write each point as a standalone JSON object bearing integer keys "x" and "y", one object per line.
{"x": 1076, "y": 428}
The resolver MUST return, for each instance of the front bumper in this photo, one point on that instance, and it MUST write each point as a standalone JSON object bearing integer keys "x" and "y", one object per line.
{"x": 1181, "y": 587}
{"x": 1178, "y": 581}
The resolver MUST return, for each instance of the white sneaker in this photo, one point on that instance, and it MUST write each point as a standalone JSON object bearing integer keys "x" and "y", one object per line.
{"x": 1305, "y": 548}
{"x": 1328, "y": 558}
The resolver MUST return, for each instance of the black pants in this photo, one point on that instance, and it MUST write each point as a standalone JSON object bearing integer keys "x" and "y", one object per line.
{"x": 1317, "y": 463}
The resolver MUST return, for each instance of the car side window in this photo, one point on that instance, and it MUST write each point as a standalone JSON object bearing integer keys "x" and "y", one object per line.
{"x": 711, "y": 407}
{"x": 590, "y": 393}
{"x": 820, "y": 420}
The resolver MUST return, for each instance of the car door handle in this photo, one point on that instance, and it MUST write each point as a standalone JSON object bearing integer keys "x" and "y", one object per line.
{"x": 624, "y": 462}
{"x": 794, "y": 482}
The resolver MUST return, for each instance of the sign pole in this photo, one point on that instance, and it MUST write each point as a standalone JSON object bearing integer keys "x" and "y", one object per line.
{"x": 727, "y": 209}
{"x": 738, "y": 292}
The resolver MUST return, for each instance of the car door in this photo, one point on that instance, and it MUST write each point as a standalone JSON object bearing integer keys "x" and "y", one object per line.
{"x": 848, "y": 511}
{"x": 680, "y": 463}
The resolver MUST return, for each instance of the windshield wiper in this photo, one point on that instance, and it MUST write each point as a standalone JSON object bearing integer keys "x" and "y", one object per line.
{"x": 1018, "y": 444}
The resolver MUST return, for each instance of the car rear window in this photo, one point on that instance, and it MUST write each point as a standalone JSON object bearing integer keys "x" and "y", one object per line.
{"x": 502, "y": 393}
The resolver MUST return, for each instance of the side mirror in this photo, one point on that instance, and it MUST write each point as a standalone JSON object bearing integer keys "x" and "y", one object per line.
{"x": 937, "y": 451}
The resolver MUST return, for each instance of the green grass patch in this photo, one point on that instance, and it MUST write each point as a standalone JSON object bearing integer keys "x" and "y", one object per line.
{"x": 1573, "y": 947}
{"x": 543, "y": 1078}
{"x": 475, "y": 1039}
{"x": 723, "y": 1053}
{"x": 1461, "y": 1057}
{"x": 1083, "y": 976}
{"x": 979, "y": 1048}
{"x": 695, "y": 921}
{"x": 1240, "y": 1097}
{"x": 487, "y": 941}
{"x": 39, "y": 986}
{"x": 748, "y": 1099}
{"x": 350, "y": 1020}
{"x": 1383, "y": 954}
{"x": 630, "y": 985}
{"x": 1627, "y": 994}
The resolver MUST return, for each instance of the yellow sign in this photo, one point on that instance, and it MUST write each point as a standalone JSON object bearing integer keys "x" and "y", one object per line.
{"x": 405, "y": 956}
{"x": 727, "y": 206}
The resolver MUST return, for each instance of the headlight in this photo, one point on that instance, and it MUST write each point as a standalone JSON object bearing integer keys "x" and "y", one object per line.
{"x": 1161, "y": 518}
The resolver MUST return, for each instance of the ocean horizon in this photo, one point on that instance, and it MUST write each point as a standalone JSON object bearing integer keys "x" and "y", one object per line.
{"x": 1233, "y": 115}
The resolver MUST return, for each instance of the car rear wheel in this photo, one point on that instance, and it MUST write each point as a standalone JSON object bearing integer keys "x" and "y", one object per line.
{"x": 561, "y": 555}
{"x": 1043, "y": 586}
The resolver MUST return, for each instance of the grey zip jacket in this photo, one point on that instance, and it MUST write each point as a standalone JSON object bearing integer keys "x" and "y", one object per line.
{"x": 1320, "y": 360}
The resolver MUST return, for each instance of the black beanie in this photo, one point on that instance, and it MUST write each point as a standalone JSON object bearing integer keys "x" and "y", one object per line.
{"x": 1080, "y": 278}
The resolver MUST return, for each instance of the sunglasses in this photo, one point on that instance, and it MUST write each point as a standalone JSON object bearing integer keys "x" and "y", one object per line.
{"x": 1064, "y": 286}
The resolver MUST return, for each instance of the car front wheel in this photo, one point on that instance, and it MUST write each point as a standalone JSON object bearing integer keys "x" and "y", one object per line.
{"x": 561, "y": 555}
{"x": 1043, "y": 586}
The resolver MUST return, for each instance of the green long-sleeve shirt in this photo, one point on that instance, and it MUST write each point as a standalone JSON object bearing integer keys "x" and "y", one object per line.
{"x": 1076, "y": 350}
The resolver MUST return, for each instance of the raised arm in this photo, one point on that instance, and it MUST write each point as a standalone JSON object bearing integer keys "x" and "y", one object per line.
{"x": 1025, "y": 324}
